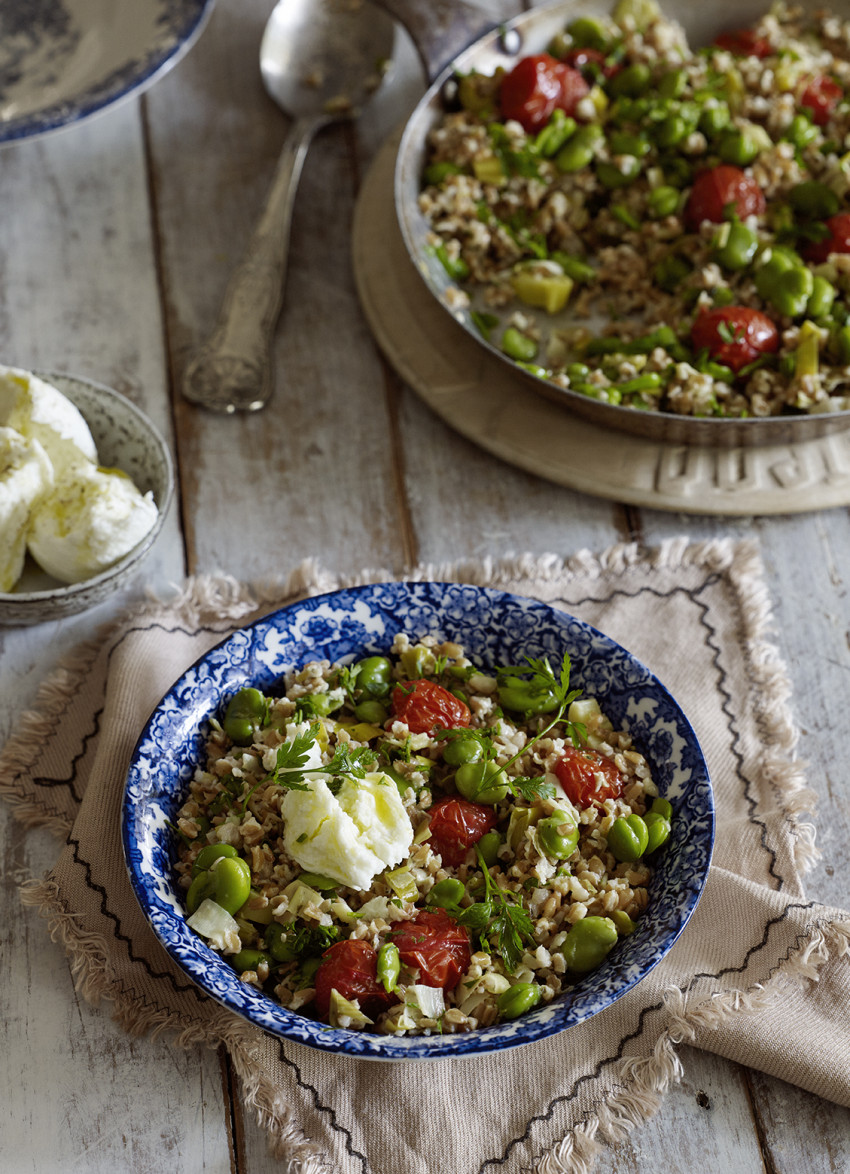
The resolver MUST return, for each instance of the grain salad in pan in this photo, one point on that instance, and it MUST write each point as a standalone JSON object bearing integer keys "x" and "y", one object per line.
{"x": 413, "y": 843}
{"x": 656, "y": 226}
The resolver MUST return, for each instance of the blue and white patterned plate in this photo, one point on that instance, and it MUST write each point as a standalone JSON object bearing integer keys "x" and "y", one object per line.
{"x": 495, "y": 628}
{"x": 64, "y": 60}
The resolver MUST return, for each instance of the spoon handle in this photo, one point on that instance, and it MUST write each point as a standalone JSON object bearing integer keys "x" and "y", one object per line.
{"x": 232, "y": 370}
{"x": 439, "y": 29}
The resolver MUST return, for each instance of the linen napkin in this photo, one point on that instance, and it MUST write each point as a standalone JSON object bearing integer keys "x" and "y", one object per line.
{"x": 761, "y": 975}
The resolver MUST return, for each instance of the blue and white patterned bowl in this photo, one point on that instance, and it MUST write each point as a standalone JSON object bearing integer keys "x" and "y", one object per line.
{"x": 495, "y": 628}
{"x": 61, "y": 63}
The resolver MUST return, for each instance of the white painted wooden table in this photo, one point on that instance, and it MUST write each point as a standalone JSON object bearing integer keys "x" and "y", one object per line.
{"x": 116, "y": 241}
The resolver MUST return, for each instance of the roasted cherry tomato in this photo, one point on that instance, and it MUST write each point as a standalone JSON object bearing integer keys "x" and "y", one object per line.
{"x": 821, "y": 96}
{"x": 588, "y": 777}
{"x": 591, "y": 63}
{"x": 720, "y": 189}
{"x": 734, "y": 335}
{"x": 536, "y": 86}
{"x": 744, "y": 43}
{"x": 457, "y": 824}
{"x": 838, "y": 240}
{"x": 424, "y": 704}
{"x": 436, "y": 945}
{"x": 349, "y": 967}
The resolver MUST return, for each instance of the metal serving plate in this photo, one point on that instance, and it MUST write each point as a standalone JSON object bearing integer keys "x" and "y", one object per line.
{"x": 530, "y": 33}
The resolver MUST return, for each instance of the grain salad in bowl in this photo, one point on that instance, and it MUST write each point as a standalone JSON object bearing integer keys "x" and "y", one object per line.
{"x": 412, "y": 843}
{"x": 654, "y": 226}
{"x": 417, "y": 820}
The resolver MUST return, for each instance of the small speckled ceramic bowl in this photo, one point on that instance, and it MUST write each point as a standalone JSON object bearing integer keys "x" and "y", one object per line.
{"x": 127, "y": 440}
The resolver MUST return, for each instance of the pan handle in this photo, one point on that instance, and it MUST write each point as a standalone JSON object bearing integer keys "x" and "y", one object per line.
{"x": 440, "y": 29}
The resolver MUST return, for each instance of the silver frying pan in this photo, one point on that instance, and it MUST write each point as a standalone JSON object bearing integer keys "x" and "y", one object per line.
{"x": 455, "y": 36}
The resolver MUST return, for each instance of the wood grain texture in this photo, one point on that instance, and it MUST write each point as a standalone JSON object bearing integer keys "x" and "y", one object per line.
{"x": 116, "y": 271}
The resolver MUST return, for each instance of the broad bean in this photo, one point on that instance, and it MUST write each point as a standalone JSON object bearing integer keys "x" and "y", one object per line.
{"x": 588, "y": 943}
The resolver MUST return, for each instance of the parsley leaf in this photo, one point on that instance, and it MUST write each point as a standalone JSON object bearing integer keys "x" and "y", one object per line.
{"x": 291, "y": 767}
{"x": 500, "y": 922}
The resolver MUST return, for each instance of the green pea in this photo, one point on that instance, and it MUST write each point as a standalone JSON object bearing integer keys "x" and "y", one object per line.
{"x": 714, "y": 120}
{"x": 576, "y": 372}
{"x": 651, "y": 382}
{"x": 610, "y": 175}
{"x": 801, "y": 131}
{"x": 557, "y": 131}
{"x": 672, "y": 130}
{"x": 374, "y": 676}
{"x": 278, "y": 942}
{"x": 317, "y": 880}
{"x": 245, "y": 711}
{"x": 821, "y": 298}
{"x": 489, "y": 846}
{"x": 232, "y": 877}
{"x": 201, "y": 888}
{"x": 673, "y": 83}
{"x": 586, "y": 33}
{"x": 521, "y": 696}
{"x": 631, "y": 81}
{"x": 461, "y": 749}
{"x": 738, "y": 147}
{"x": 622, "y": 142}
{"x": 628, "y": 837}
{"x": 210, "y": 853}
{"x": 557, "y": 835}
{"x": 518, "y": 999}
{"x": 482, "y": 782}
{"x": 814, "y": 199}
{"x": 580, "y": 150}
{"x": 456, "y": 267}
{"x": 663, "y": 201}
{"x": 447, "y": 893}
{"x": 371, "y": 711}
{"x": 662, "y": 806}
{"x": 388, "y": 966}
{"x": 623, "y": 922}
{"x": 588, "y": 943}
{"x": 839, "y": 342}
{"x": 658, "y": 830}
{"x": 517, "y": 345}
{"x": 740, "y": 245}
{"x": 785, "y": 282}
{"x": 307, "y": 970}
{"x": 435, "y": 173}
{"x": 249, "y": 960}
{"x": 574, "y": 267}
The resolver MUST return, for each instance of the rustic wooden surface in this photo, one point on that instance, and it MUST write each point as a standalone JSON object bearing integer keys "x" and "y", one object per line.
{"x": 116, "y": 241}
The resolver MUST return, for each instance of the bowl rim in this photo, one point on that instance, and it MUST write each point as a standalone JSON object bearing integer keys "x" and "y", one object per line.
{"x": 67, "y": 591}
{"x": 138, "y": 74}
{"x": 285, "y": 1024}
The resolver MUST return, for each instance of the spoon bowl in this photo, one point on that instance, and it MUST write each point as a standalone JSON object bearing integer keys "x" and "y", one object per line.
{"x": 324, "y": 59}
{"x": 320, "y": 60}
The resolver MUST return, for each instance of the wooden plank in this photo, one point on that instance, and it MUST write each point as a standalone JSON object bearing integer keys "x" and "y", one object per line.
{"x": 71, "y": 1087}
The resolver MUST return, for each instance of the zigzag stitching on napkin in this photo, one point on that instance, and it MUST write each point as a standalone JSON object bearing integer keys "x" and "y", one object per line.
{"x": 93, "y": 976}
{"x": 649, "y": 1078}
{"x": 93, "y": 886}
{"x": 323, "y": 1108}
{"x": 566, "y": 1098}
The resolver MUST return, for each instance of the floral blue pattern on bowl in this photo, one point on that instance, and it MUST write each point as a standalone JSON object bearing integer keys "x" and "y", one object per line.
{"x": 61, "y": 62}
{"x": 495, "y": 628}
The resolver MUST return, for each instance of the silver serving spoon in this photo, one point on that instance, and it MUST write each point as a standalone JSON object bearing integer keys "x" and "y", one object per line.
{"x": 320, "y": 60}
